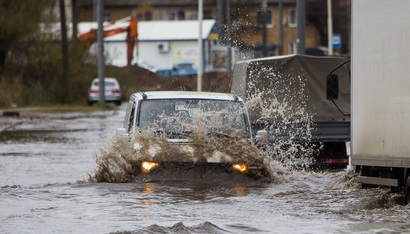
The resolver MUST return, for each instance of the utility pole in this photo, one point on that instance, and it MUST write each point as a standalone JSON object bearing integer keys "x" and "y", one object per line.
{"x": 200, "y": 58}
{"x": 264, "y": 29}
{"x": 329, "y": 27}
{"x": 74, "y": 17}
{"x": 219, "y": 20}
{"x": 300, "y": 42}
{"x": 101, "y": 62}
{"x": 280, "y": 27}
{"x": 66, "y": 68}
{"x": 349, "y": 24}
{"x": 228, "y": 33}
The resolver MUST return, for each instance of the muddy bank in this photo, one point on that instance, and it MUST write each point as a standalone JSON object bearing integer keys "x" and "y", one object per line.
{"x": 134, "y": 79}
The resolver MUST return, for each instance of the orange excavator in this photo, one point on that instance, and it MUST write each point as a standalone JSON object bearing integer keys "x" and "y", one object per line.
{"x": 129, "y": 25}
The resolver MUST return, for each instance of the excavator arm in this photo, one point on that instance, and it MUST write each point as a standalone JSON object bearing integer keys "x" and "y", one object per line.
{"x": 110, "y": 29}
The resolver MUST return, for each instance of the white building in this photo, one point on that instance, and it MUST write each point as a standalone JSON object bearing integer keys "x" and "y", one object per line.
{"x": 161, "y": 43}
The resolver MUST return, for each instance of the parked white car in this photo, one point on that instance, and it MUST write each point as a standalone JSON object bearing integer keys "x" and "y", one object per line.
{"x": 194, "y": 128}
{"x": 112, "y": 91}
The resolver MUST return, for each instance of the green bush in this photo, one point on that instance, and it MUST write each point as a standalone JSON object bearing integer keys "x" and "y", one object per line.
{"x": 10, "y": 91}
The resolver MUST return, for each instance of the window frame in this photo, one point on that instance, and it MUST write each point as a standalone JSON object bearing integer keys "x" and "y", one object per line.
{"x": 270, "y": 22}
{"x": 177, "y": 15}
{"x": 292, "y": 18}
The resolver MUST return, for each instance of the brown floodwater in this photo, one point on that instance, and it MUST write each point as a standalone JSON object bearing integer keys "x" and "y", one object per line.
{"x": 47, "y": 185}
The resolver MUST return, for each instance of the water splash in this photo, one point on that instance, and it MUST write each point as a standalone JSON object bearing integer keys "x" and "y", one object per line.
{"x": 278, "y": 103}
{"x": 206, "y": 227}
{"x": 347, "y": 181}
{"x": 206, "y": 137}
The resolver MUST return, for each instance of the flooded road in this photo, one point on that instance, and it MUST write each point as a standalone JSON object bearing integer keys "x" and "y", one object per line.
{"x": 45, "y": 163}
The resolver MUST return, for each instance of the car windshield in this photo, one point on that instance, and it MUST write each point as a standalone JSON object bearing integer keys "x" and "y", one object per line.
{"x": 107, "y": 83}
{"x": 185, "y": 66}
{"x": 187, "y": 115}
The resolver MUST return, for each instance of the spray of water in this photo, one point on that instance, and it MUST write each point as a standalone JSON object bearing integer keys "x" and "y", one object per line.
{"x": 278, "y": 104}
{"x": 208, "y": 136}
{"x": 347, "y": 181}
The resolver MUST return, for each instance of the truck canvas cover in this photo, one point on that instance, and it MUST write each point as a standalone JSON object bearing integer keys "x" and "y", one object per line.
{"x": 297, "y": 80}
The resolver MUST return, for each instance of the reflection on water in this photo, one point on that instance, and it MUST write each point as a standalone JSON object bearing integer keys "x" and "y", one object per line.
{"x": 17, "y": 137}
{"x": 149, "y": 190}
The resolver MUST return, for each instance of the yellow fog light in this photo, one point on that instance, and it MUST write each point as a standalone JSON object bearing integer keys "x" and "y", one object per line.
{"x": 240, "y": 167}
{"x": 148, "y": 166}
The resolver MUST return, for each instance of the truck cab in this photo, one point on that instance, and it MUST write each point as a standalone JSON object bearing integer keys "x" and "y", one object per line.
{"x": 295, "y": 109}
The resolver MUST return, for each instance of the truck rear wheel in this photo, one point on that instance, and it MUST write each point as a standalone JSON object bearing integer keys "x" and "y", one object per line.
{"x": 407, "y": 190}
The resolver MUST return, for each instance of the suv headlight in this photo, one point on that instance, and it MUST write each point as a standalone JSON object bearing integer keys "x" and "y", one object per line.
{"x": 148, "y": 166}
{"x": 240, "y": 167}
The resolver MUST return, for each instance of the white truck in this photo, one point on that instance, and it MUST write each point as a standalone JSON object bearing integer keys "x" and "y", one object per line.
{"x": 380, "y": 121}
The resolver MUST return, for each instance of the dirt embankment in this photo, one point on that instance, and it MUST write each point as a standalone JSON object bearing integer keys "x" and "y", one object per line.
{"x": 145, "y": 80}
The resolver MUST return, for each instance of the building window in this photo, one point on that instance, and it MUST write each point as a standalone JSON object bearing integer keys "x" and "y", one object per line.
{"x": 208, "y": 14}
{"x": 148, "y": 16}
{"x": 292, "y": 47}
{"x": 173, "y": 15}
{"x": 145, "y": 16}
{"x": 259, "y": 19}
{"x": 181, "y": 15}
{"x": 107, "y": 17}
{"x": 292, "y": 18}
{"x": 176, "y": 15}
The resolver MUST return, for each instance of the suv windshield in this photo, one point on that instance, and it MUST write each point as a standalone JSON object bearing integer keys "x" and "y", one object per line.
{"x": 183, "y": 116}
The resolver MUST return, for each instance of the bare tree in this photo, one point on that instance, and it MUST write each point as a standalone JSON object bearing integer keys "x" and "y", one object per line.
{"x": 18, "y": 19}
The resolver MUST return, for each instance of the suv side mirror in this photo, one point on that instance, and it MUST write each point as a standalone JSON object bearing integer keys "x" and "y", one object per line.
{"x": 332, "y": 87}
{"x": 121, "y": 131}
{"x": 261, "y": 137}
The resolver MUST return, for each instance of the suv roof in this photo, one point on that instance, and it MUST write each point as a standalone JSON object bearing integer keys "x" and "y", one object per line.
{"x": 186, "y": 94}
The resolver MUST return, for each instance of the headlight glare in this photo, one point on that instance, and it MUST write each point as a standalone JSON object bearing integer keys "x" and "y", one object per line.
{"x": 148, "y": 166}
{"x": 240, "y": 167}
